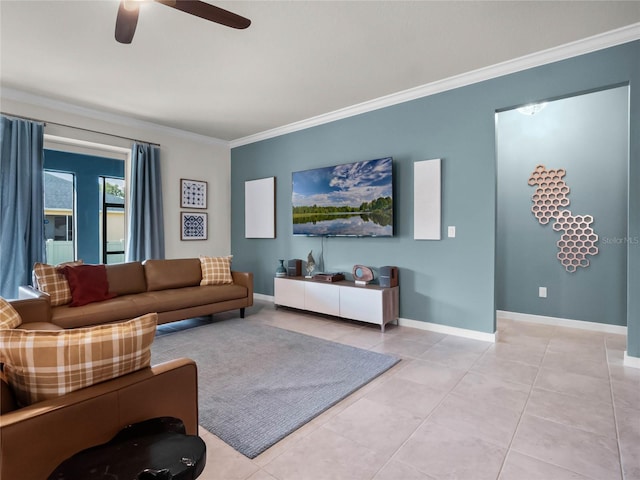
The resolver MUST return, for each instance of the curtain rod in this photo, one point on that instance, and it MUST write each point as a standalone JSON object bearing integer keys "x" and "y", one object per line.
{"x": 77, "y": 128}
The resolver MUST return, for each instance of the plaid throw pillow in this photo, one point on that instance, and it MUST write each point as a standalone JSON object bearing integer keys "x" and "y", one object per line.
{"x": 49, "y": 279}
{"x": 9, "y": 318}
{"x": 216, "y": 270}
{"x": 49, "y": 363}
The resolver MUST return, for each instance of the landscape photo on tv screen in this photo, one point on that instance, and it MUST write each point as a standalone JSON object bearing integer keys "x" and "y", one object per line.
{"x": 353, "y": 199}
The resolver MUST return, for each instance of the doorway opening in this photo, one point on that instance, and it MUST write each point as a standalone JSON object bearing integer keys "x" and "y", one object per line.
{"x": 543, "y": 270}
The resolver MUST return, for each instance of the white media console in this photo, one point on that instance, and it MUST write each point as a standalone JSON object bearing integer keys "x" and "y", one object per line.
{"x": 367, "y": 303}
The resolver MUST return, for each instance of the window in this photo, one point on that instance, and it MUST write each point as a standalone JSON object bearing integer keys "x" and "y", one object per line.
{"x": 59, "y": 214}
{"x": 112, "y": 225}
{"x": 85, "y": 203}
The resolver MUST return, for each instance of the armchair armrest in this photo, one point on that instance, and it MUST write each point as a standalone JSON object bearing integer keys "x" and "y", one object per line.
{"x": 34, "y": 440}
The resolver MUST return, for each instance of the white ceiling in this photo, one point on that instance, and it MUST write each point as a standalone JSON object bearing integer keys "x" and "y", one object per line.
{"x": 298, "y": 59}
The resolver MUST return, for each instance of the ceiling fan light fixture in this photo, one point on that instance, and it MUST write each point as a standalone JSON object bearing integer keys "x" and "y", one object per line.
{"x": 126, "y": 21}
{"x": 132, "y": 5}
{"x": 129, "y": 10}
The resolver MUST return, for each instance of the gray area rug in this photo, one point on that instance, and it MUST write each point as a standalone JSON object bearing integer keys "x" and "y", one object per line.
{"x": 257, "y": 383}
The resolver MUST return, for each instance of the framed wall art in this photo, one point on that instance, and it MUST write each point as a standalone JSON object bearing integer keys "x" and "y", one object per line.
{"x": 193, "y": 226}
{"x": 193, "y": 193}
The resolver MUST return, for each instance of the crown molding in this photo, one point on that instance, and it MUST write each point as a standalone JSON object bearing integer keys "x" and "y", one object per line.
{"x": 580, "y": 47}
{"x": 45, "y": 102}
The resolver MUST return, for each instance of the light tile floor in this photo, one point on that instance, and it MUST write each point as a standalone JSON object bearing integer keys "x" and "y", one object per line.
{"x": 543, "y": 402}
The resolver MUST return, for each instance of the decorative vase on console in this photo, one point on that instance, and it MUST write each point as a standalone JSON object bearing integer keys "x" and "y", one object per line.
{"x": 311, "y": 265}
{"x": 281, "y": 271}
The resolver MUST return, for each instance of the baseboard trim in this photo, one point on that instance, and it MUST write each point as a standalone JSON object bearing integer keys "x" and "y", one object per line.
{"x": 261, "y": 296}
{"x": 446, "y": 329}
{"x": 562, "y": 322}
{"x": 633, "y": 362}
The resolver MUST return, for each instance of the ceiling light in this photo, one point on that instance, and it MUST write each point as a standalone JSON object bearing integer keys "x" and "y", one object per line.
{"x": 532, "y": 108}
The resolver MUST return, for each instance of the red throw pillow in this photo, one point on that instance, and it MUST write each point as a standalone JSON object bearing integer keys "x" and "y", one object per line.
{"x": 88, "y": 283}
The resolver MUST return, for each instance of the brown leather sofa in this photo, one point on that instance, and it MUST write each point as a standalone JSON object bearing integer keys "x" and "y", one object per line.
{"x": 35, "y": 439}
{"x": 169, "y": 287}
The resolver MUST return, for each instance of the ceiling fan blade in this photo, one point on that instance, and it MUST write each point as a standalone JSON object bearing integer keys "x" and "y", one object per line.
{"x": 210, "y": 12}
{"x": 126, "y": 22}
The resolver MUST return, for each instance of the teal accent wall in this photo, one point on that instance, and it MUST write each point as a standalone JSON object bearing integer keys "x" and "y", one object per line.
{"x": 587, "y": 136}
{"x": 87, "y": 170}
{"x": 451, "y": 281}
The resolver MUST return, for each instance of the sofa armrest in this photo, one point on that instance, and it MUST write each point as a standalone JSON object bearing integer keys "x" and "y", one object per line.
{"x": 36, "y": 309}
{"x": 246, "y": 280}
{"x": 34, "y": 440}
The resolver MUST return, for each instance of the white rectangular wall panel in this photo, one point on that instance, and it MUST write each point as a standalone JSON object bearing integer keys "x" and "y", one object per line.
{"x": 427, "y": 200}
{"x": 260, "y": 208}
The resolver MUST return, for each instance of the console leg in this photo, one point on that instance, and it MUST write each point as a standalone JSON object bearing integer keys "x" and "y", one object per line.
{"x": 242, "y": 313}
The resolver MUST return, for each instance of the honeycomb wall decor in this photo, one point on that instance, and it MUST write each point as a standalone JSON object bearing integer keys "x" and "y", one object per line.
{"x": 549, "y": 202}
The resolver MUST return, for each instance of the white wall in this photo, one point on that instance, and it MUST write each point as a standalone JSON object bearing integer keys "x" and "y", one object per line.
{"x": 183, "y": 155}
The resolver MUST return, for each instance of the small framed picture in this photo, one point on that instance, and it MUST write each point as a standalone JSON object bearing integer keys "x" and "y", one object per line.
{"x": 193, "y": 226}
{"x": 193, "y": 193}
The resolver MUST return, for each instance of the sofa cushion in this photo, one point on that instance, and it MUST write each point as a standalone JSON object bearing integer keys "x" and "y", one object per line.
{"x": 9, "y": 318}
{"x": 47, "y": 364}
{"x": 126, "y": 278}
{"x": 50, "y": 280}
{"x": 187, "y": 297}
{"x": 117, "y": 309}
{"x": 39, "y": 326}
{"x": 216, "y": 270}
{"x": 174, "y": 273}
{"x": 88, "y": 284}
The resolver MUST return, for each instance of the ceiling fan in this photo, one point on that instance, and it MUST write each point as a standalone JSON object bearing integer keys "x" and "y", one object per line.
{"x": 128, "y": 11}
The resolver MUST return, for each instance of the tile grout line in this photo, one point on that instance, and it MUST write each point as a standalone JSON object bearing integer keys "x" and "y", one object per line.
{"x": 613, "y": 407}
{"x": 524, "y": 408}
{"x": 553, "y": 421}
{"x": 449, "y": 392}
{"x": 393, "y": 455}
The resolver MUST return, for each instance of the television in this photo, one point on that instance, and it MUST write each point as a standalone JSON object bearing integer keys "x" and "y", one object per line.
{"x": 350, "y": 200}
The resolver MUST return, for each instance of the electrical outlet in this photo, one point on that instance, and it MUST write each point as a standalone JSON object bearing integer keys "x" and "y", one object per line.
{"x": 542, "y": 292}
{"x": 451, "y": 232}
